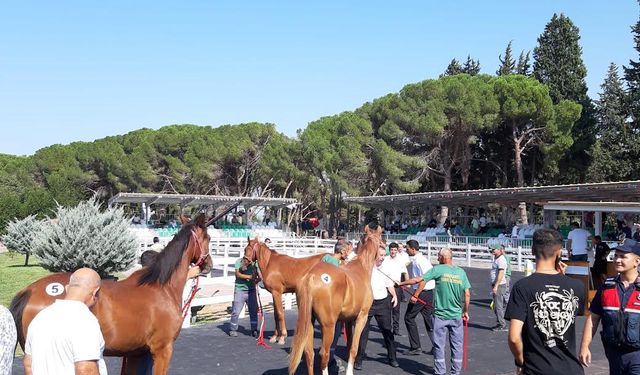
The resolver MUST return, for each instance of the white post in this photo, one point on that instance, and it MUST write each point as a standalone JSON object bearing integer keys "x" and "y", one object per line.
{"x": 429, "y": 250}
{"x": 225, "y": 266}
{"x": 598, "y": 223}
{"x": 520, "y": 258}
{"x": 468, "y": 255}
{"x": 288, "y": 301}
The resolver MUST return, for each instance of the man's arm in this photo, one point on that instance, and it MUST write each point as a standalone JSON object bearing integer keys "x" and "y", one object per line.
{"x": 515, "y": 342}
{"x": 394, "y": 297}
{"x": 569, "y": 243}
{"x": 411, "y": 281}
{"x": 467, "y": 300}
{"x": 86, "y": 368}
{"x": 498, "y": 280}
{"x": 242, "y": 276}
{"x": 27, "y": 364}
{"x": 590, "y": 329}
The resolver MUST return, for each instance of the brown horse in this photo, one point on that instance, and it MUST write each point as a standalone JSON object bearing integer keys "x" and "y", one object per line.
{"x": 331, "y": 294}
{"x": 280, "y": 274}
{"x": 142, "y": 312}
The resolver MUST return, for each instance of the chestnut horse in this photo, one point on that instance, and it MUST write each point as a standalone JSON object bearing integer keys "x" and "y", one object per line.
{"x": 142, "y": 312}
{"x": 280, "y": 274}
{"x": 331, "y": 294}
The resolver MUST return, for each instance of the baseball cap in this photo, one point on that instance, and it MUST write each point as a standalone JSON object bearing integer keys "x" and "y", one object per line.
{"x": 495, "y": 245}
{"x": 629, "y": 246}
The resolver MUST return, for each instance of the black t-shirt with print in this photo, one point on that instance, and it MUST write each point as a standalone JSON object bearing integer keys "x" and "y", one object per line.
{"x": 548, "y": 305}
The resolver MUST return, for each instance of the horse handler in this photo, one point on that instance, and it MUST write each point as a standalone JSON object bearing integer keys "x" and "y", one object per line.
{"x": 452, "y": 287}
{"x": 384, "y": 299}
{"x": 244, "y": 292}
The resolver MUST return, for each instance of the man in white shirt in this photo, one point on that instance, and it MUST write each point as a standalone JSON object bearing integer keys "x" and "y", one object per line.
{"x": 499, "y": 287}
{"x": 65, "y": 338}
{"x": 396, "y": 263}
{"x": 418, "y": 267}
{"x": 577, "y": 243}
{"x": 384, "y": 298}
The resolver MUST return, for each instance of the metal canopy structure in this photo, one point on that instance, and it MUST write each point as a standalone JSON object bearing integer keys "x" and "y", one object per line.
{"x": 184, "y": 200}
{"x": 628, "y": 191}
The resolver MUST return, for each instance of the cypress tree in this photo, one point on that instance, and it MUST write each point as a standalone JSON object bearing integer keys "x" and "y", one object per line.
{"x": 558, "y": 64}
{"x": 471, "y": 66}
{"x": 523, "y": 67}
{"x": 507, "y": 65}
{"x": 632, "y": 77}
{"x": 453, "y": 68}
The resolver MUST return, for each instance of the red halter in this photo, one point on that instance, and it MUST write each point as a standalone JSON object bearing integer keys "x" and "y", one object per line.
{"x": 203, "y": 255}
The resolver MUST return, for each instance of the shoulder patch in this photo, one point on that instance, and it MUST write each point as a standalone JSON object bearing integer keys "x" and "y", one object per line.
{"x": 325, "y": 278}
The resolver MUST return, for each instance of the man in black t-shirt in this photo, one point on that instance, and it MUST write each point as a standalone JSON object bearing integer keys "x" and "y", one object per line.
{"x": 542, "y": 311}
{"x": 599, "y": 269}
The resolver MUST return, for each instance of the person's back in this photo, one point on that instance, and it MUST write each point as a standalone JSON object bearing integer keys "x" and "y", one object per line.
{"x": 451, "y": 283}
{"x": 542, "y": 311}
{"x": 579, "y": 238}
{"x": 65, "y": 338}
{"x": 8, "y": 337}
{"x": 548, "y": 305}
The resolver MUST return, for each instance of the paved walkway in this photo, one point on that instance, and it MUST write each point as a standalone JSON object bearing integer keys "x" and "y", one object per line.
{"x": 207, "y": 349}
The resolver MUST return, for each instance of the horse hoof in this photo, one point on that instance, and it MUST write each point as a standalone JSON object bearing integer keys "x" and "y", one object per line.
{"x": 273, "y": 339}
{"x": 281, "y": 341}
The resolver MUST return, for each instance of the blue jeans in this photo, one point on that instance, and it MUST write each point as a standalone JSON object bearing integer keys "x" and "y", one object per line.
{"x": 441, "y": 329}
{"x": 621, "y": 363}
{"x": 240, "y": 297}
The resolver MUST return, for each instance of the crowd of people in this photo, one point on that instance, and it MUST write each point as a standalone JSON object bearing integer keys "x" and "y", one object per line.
{"x": 539, "y": 311}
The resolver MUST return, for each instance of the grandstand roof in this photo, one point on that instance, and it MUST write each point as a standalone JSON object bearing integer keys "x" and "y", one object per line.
{"x": 595, "y": 192}
{"x": 198, "y": 200}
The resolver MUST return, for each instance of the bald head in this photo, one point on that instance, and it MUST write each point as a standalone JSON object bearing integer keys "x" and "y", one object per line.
{"x": 83, "y": 286}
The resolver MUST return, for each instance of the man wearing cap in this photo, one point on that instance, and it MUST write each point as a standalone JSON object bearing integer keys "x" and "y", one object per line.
{"x": 617, "y": 305}
{"x": 499, "y": 287}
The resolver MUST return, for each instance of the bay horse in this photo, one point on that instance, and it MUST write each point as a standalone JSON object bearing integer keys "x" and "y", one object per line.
{"x": 139, "y": 313}
{"x": 280, "y": 274}
{"x": 331, "y": 294}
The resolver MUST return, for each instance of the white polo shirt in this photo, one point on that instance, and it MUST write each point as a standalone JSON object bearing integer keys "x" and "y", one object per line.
{"x": 62, "y": 334}
{"x": 579, "y": 238}
{"x": 379, "y": 282}
{"x": 396, "y": 266}
{"x": 418, "y": 267}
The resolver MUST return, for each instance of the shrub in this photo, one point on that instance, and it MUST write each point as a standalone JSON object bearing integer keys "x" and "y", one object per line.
{"x": 85, "y": 236}
{"x": 20, "y": 236}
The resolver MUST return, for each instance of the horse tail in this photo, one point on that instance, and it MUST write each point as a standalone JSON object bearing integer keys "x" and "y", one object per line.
{"x": 304, "y": 327}
{"x": 17, "y": 306}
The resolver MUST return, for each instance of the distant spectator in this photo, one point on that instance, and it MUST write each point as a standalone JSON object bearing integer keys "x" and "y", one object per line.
{"x": 156, "y": 246}
{"x": 636, "y": 234}
{"x": 577, "y": 243}
{"x": 7, "y": 340}
{"x": 599, "y": 270}
{"x": 136, "y": 219}
{"x": 267, "y": 217}
{"x": 475, "y": 225}
{"x": 626, "y": 230}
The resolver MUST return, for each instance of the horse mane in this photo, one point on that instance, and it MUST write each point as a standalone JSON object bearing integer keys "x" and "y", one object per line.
{"x": 167, "y": 260}
{"x": 17, "y": 306}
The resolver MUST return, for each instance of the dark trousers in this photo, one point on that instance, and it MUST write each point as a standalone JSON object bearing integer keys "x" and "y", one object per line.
{"x": 622, "y": 363}
{"x": 381, "y": 309}
{"x": 413, "y": 309}
{"x": 395, "y": 311}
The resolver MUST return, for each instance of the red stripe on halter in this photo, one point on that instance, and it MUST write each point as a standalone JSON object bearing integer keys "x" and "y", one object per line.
{"x": 203, "y": 255}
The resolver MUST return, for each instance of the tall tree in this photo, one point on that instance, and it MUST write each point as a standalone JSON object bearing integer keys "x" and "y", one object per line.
{"x": 615, "y": 150}
{"x": 507, "y": 64}
{"x": 523, "y": 66}
{"x": 632, "y": 77}
{"x": 453, "y": 68}
{"x": 471, "y": 66}
{"x": 558, "y": 64}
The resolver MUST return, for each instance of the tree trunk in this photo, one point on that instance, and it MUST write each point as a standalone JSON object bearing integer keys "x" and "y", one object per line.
{"x": 518, "y": 161}
{"x": 26, "y": 260}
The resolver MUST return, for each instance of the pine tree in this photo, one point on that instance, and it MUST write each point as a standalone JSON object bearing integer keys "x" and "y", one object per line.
{"x": 632, "y": 77}
{"x": 523, "y": 67}
{"x": 20, "y": 235}
{"x": 85, "y": 236}
{"x": 471, "y": 66}
{"x": 558, "y": 64}
{"x": 453, "y": 68}
{"x": 507, "y": 65}
{"x": 614, "y": 152}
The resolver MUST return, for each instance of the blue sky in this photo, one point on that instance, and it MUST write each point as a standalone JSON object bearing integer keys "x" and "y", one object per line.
{"x": 83, "y": 70}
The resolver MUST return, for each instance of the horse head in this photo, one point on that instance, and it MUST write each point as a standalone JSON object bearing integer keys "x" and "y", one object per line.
{"x": 200, "y": 241}
{"x": 370, "y": 239}
{"x": 251, "y": 250}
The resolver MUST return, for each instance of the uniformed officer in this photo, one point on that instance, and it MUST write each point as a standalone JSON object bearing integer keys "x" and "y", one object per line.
{"x": 617, "y": 305}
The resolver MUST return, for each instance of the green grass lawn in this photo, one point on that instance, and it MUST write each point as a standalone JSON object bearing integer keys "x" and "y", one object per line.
{"x": 15, "y": 276}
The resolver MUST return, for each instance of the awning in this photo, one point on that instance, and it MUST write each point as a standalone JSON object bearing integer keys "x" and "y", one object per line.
{"x": 198, "y": 200}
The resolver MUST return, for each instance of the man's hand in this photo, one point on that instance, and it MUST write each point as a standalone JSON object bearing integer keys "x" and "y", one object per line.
{"x": 413, "y": 299}
{"x": 465, "y": 316}
{"x": 585, "y": 356}
{"x": 193, "y": 272}
{"x": 519, "y": 370}
{"x": 494, "y": 291}
{"x": 394, "y": 301}
{"x": 561, "y": 267}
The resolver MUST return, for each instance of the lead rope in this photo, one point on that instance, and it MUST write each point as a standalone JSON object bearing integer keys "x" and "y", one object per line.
{"x": 405, "y": 289}
{"x": 260, "y": 341}
{"x": 464, "y": 348}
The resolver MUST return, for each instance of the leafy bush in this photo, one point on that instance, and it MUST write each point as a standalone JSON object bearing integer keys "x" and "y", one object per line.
{"x": 20, "y": 236}
{"x": 85, "y": 236}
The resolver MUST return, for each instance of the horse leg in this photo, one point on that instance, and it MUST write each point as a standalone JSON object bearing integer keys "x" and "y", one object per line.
{"x": 276, "y": 318}
{"x": 354, "y": 338}
{"x": 309, "y": 353}
{"x": 328, "y": 331}
{"x": 161, "y": 359}
{"x": 280, "y": 333}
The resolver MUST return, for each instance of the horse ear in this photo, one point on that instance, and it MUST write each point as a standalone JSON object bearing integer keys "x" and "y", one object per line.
{"x": 183, "y": 219}
{"x": 366, "y": 229}
{"x": 248, "y": 239}
{"x": 378, "y": 231}
{"x": 201, "y": 221}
